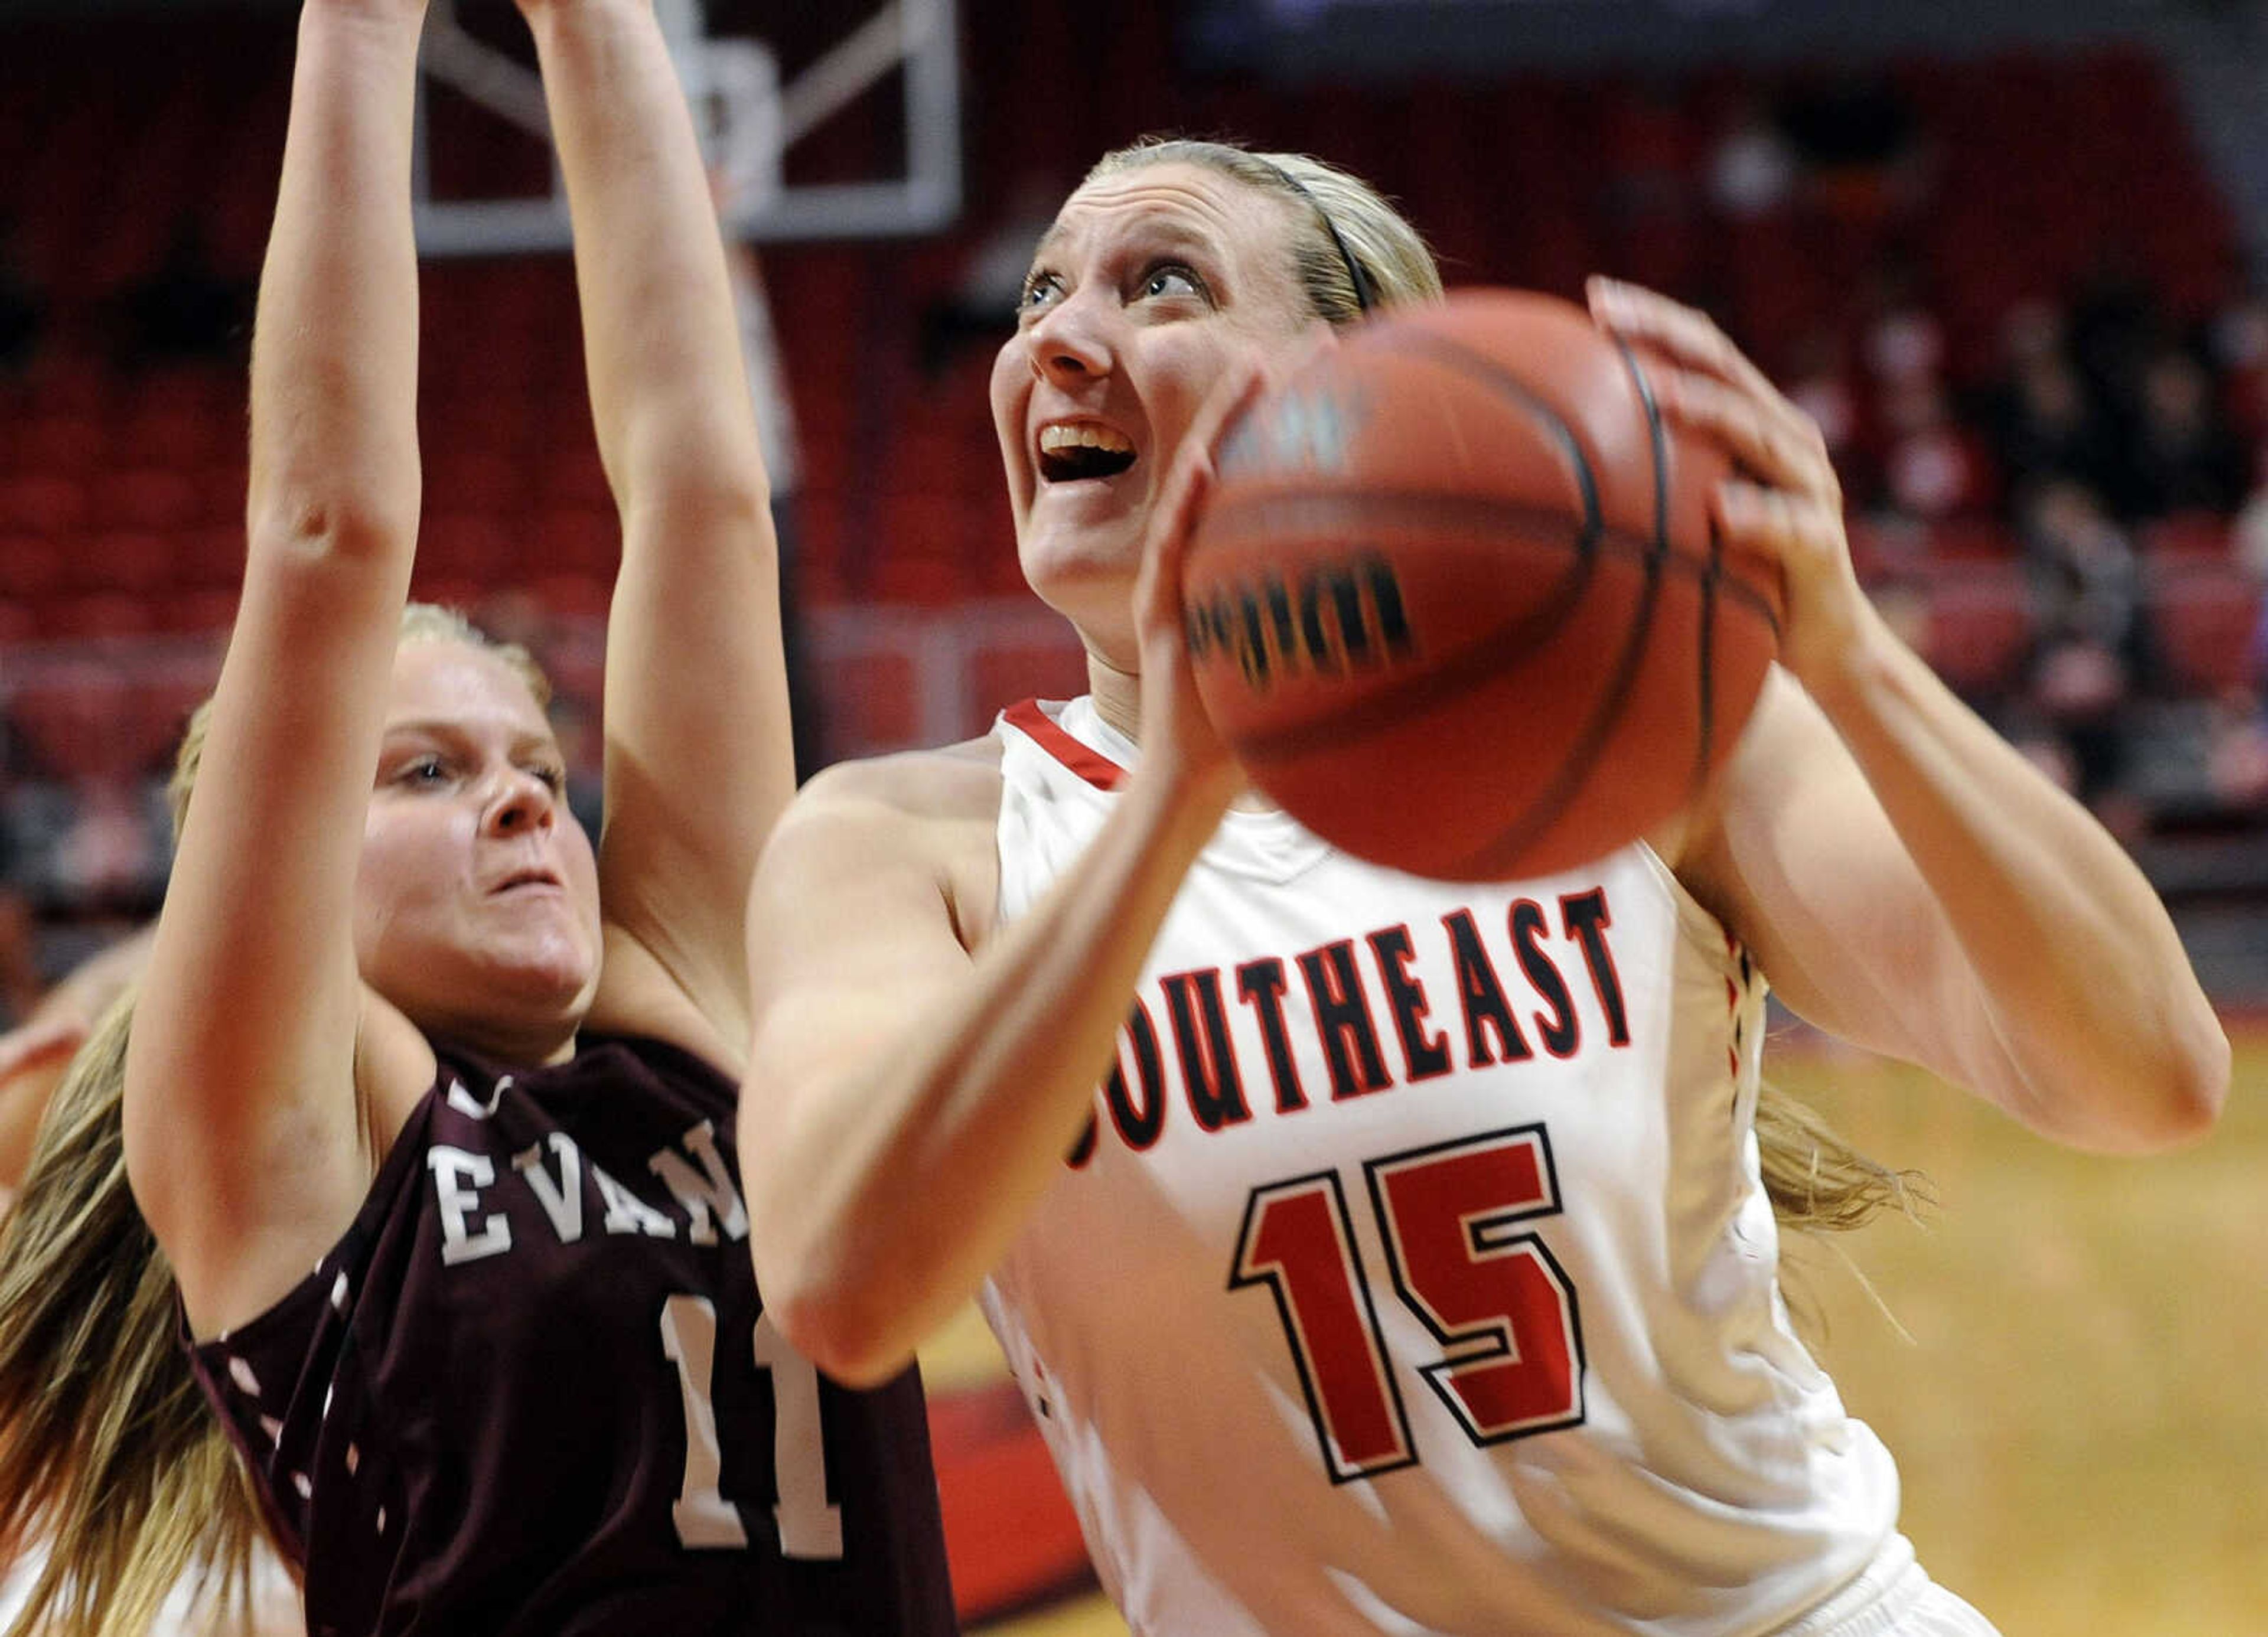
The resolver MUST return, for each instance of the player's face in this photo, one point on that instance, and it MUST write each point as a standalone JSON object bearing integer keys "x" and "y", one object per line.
{"x": 476, "y": 903}
{"x": 1151, "y": 283}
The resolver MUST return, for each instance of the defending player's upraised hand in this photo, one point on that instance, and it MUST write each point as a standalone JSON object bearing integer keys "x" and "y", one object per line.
{"x": 1786, "y": 500}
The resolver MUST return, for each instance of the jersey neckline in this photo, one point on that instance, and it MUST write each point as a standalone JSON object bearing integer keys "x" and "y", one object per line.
{"x": 1266, "y": 843}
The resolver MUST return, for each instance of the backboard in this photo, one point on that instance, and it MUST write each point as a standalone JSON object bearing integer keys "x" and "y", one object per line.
{"x": 752, "y": 115}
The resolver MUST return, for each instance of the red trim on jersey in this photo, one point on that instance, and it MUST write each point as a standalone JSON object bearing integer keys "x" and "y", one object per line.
{"x": 1090, "y": 764}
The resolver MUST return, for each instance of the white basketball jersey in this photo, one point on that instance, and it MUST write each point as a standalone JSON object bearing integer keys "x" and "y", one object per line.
{"x": 1415, "y": 1275}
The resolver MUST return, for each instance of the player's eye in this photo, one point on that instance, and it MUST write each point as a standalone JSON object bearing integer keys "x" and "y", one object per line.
{"x": 1171, "y": 278}
{"x": 553, "y": 779}
{"x": 422, "y": 771}
{"x": 1041, "y": 291}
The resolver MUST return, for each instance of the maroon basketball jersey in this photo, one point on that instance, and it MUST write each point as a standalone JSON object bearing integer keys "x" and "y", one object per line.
{"x": 532, "y": 1390}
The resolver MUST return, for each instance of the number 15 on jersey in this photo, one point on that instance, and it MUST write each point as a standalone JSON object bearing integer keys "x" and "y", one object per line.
{"x": 1501, "y": 1307}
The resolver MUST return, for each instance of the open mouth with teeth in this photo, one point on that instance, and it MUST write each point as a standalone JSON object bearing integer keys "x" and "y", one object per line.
{"x": 1071, "y": 453}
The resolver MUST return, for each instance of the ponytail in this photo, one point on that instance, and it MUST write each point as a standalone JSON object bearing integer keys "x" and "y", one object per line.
{"x": 109, "y": 1455}
{"x": 1819, "y": 1183}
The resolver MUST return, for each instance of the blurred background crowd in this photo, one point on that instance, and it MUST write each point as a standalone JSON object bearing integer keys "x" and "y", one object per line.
{"x": 2012, "y": 276}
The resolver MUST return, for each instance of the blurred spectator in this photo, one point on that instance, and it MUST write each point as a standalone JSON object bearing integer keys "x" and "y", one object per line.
{"x": 2238, "y": 765}
{"x": 113, "y": 853}
{"x": 1819, "y": 384}
{"x": 2045, "y": 421}
{"x": 97, "y": 846}
{"x": 2240, "y": 354}
{"x": 2183, "y": 456}
{"x": 185, "y": 312}
{"x": 1905, "y": 342}
{"x": 2092, "y": 648}
{"x": 1932, "y": 469}
{"x": 2115, "y": 329}
{"x": 86, "y": 826}
{"x": 1752, "y": 171}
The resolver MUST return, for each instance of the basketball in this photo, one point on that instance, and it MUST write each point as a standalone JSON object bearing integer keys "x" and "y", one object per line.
{"x": 1456, "y": 603}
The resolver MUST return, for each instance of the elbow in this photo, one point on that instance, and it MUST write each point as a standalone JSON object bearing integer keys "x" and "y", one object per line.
{"x": 848, "y": 1322}
{"x": 846, "y": 1347}
{"x": 2194, "y": 1085}
{"x": 294, "y": 527}
{"x": 2172, "y": 1100}
{"x": 687, "y": 484}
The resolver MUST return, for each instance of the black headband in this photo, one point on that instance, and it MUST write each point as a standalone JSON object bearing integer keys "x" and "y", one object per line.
{"x": 1366, "y": 296}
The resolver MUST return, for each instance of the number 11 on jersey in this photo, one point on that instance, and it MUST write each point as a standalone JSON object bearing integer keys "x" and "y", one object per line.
{"x": 809, "y": 1525}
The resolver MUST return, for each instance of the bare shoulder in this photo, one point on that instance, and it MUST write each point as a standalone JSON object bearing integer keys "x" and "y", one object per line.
{"x": 954, "y": 781}
{"x": 927, "y": 813}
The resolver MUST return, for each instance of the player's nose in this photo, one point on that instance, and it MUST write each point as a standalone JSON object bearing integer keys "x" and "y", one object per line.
{"x": 1070, "y": 342}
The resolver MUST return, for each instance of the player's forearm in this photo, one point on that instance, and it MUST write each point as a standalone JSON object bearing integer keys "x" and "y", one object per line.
{"x": 669, "y": 390}
{"x": 700, "y": 761}
{"x": 879, "y": 1204}
{"x": 334, "y": 455}
{"x": 2108, "y": 1039}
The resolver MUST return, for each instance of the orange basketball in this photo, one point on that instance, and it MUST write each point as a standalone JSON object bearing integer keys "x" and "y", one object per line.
{"x": 1456, "y": 602}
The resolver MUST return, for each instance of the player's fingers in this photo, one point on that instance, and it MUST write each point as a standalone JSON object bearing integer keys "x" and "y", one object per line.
{"x": 1768, "y": 439}
{"x": 1645, "y": 318}
{"x": 1799, "y": 530}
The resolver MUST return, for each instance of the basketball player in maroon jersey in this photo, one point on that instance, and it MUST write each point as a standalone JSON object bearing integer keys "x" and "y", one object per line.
{"x": 1056, "y": 1018}
{"x": 389, "y": 1033}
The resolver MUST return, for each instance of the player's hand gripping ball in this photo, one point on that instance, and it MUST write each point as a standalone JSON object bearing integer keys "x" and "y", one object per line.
{"x": 1456, "y": 601}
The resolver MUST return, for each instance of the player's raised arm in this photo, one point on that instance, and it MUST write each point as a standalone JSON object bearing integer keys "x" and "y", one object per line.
{"x": 698, "y": 756}
{"x": 240, "y": 1116}
{"x": 1907, "y": 880}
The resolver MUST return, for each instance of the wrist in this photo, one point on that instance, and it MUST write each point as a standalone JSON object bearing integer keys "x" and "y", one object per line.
{"x": 1829, "y": 625}
{"x": 1840, "y": 662}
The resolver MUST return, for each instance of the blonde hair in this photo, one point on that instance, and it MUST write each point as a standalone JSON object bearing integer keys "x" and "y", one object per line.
{"x": 1395, "y": 261}
{"x": 1816, "y": 1181}
{"x": 108, "y": 1448}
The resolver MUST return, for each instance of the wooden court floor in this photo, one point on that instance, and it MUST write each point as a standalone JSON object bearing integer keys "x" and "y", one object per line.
{"x": 2073, "y": 1372}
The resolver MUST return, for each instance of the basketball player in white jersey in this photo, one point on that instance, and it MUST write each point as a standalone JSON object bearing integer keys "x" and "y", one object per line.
{"x": 1382, "y": 1255}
